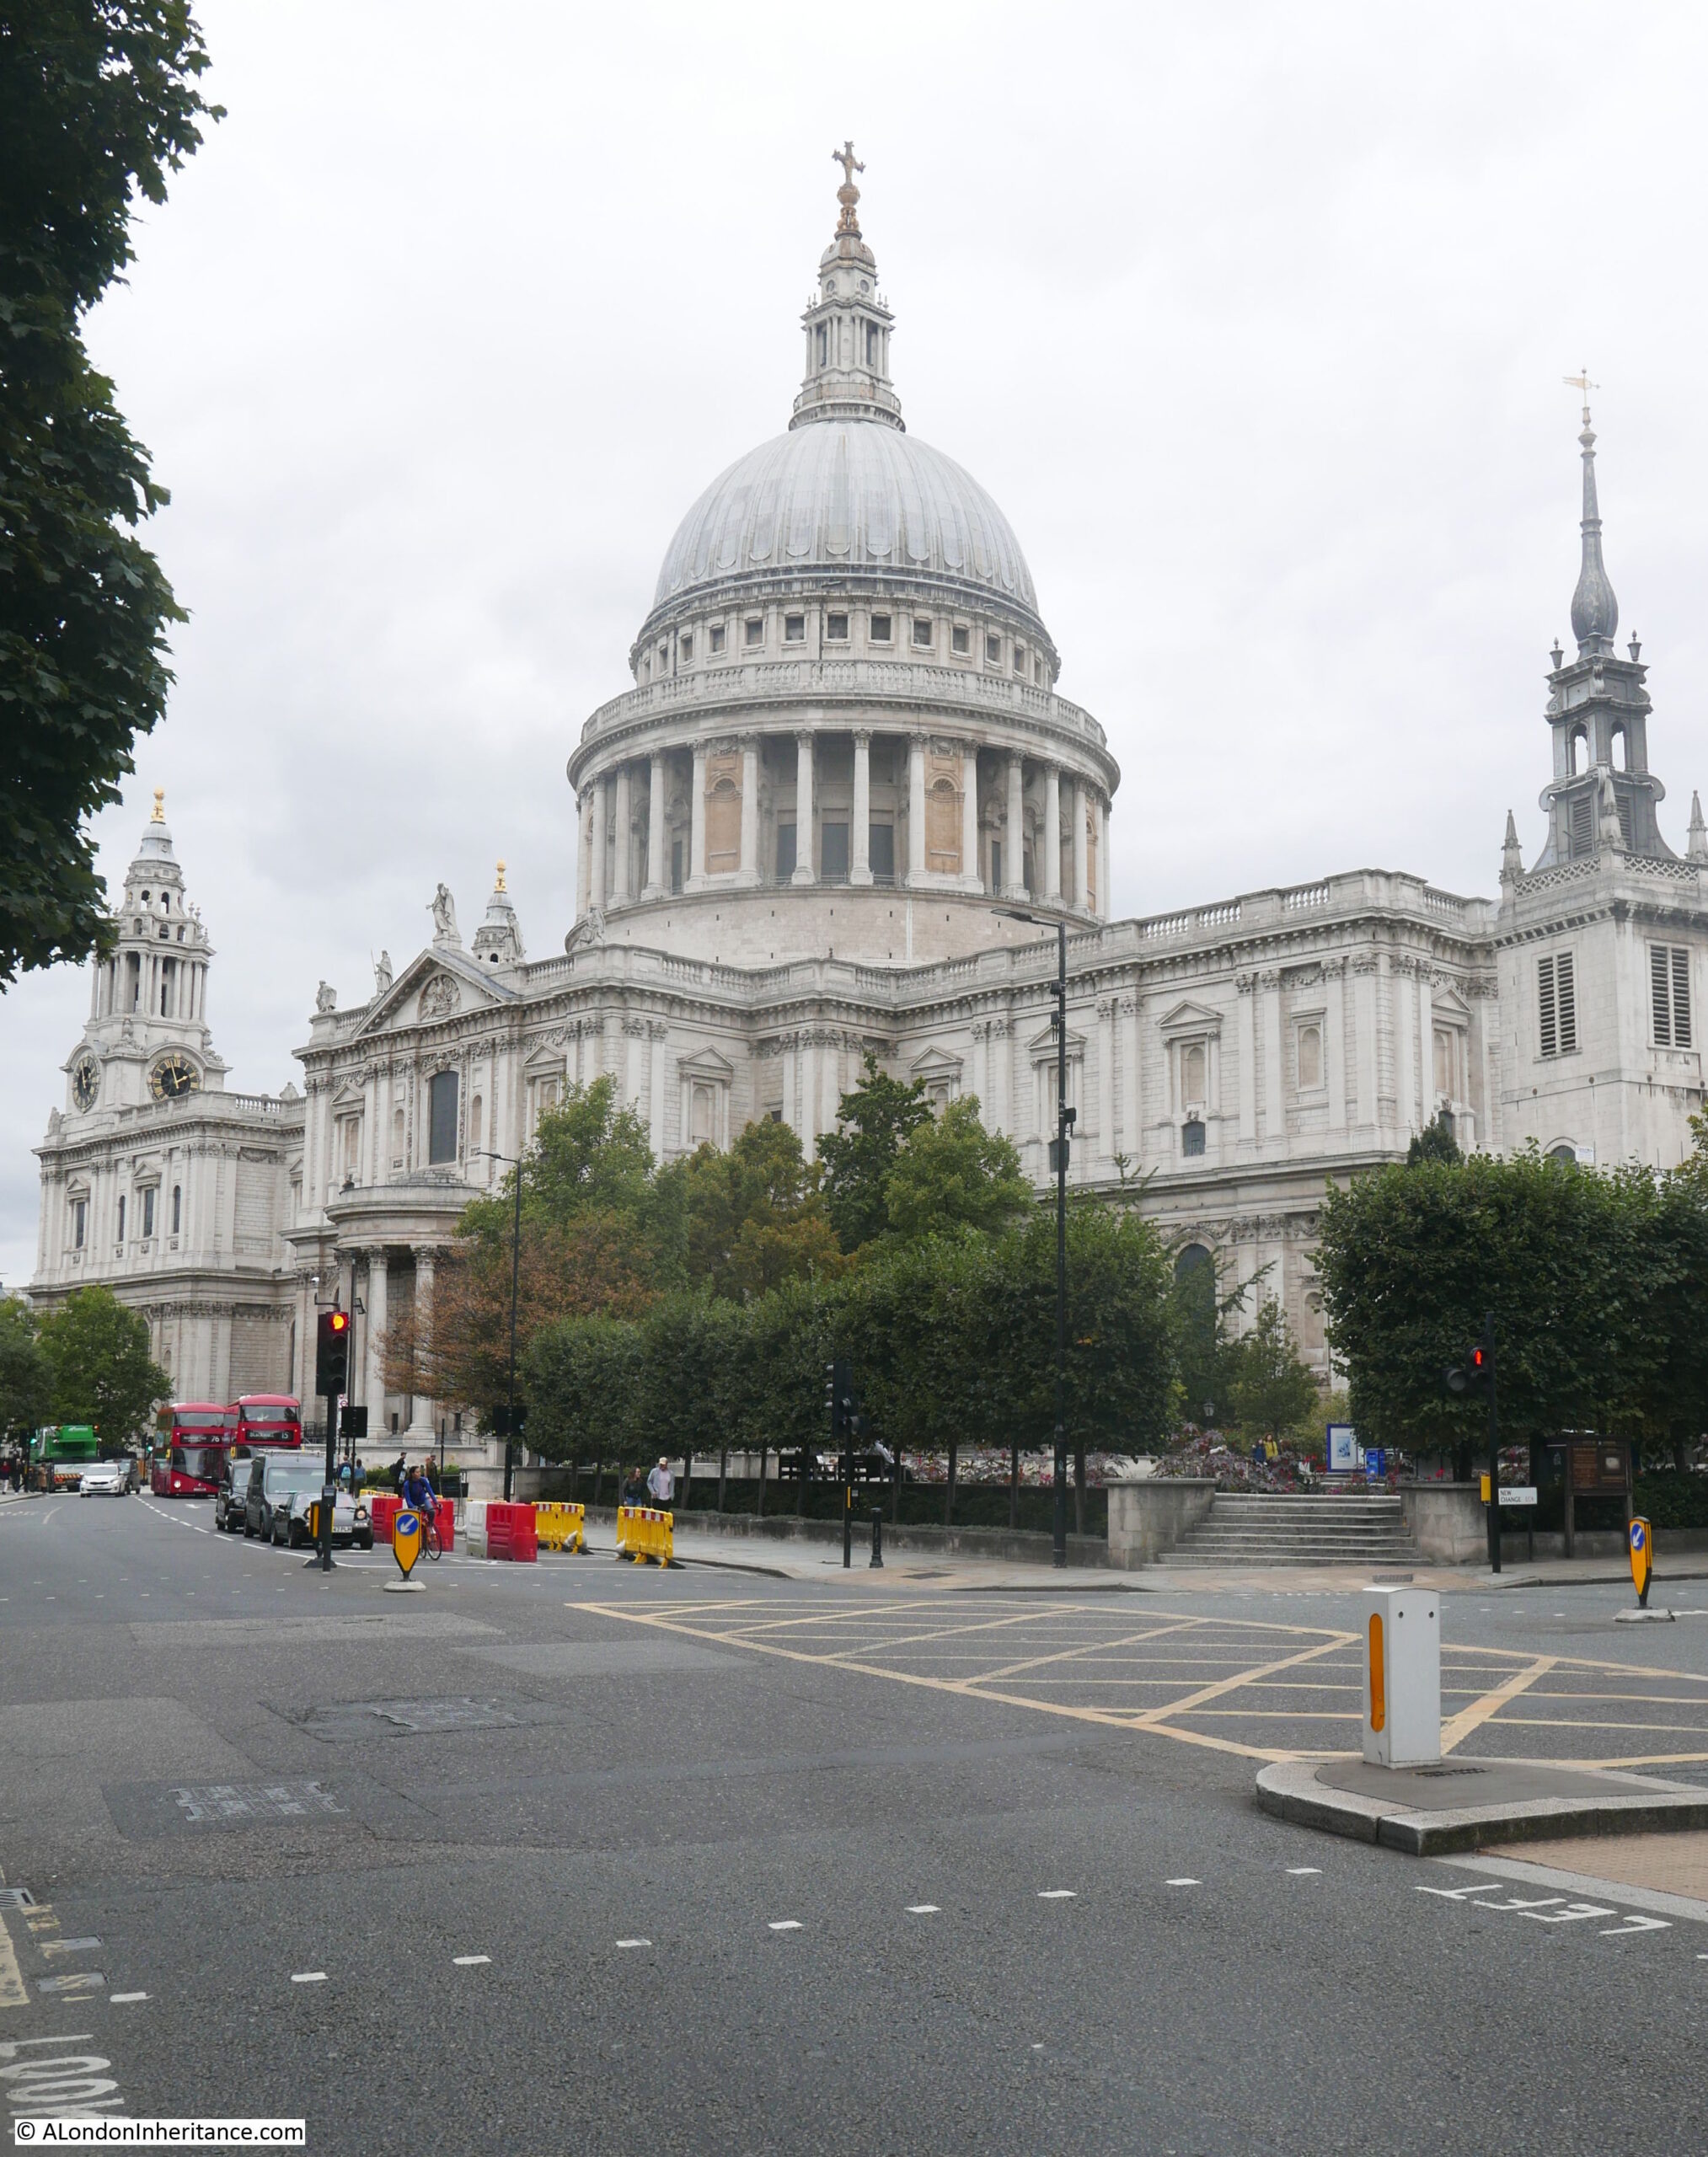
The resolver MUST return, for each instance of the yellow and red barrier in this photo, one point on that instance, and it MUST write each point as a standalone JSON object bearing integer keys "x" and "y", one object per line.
{"x": 645, "y": 1535}
{"x": 561, "y": 1528}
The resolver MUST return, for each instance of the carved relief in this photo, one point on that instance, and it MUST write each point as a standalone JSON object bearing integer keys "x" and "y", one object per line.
{"x": 439, "y": 998}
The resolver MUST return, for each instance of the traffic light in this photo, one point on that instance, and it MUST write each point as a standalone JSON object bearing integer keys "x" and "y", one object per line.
{"x": 332, "y": 1354}
{"x": 838, "y": 1392}
{"x": 1476, "y": 1374}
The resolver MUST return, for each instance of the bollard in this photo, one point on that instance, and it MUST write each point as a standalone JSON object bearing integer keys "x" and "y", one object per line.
{"x": 877, "y": 1536}
{"x": 1402, "y": 1677}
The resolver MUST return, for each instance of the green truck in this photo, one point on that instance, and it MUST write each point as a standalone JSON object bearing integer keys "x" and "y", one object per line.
{"x": 62, "y": 1451}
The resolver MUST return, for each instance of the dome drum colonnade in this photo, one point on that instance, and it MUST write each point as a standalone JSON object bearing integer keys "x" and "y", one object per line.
{"x": 844, "y": 680}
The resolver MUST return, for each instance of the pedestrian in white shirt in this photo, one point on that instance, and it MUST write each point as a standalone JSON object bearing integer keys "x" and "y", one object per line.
{"x": 661, "y": 1483}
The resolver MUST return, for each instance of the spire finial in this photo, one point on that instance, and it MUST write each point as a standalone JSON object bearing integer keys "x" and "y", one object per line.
{"x": 500, "y": 885}
{"x": 1594, "y": 610}
{"x": 159, "y": 816}
{"x": 847, "y": 193}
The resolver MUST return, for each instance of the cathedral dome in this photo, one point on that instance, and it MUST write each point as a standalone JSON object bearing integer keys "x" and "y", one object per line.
{"x": 854, "y": 498}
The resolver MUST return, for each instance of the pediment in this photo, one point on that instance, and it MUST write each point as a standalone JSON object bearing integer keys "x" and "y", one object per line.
{"x": 438, "y": 983}
{"x": 548, "y": 1060}
{"x": 1190, "y": 1018}
{"x": 350, "y": 1096}
{"x": 935, "y": 1063}
{"x": 706, "y": 1064}
{"x": 1044, "y": 1043}
{"x": 1446, "y": 1003}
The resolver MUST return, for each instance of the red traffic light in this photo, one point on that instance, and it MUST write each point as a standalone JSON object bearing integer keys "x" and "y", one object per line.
{"x": 1478, "y": 1359}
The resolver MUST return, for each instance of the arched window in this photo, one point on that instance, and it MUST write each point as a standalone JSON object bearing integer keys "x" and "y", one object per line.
{"x": 1194, "y": 1072}
{"x": 1191, "y": 1137}
{"x": 1564, "y": 1152}
{"x": 1577, "y": 751}
{"x": 1310, "y": 1058}
{"x": 397, "y": 1138}
{"x": 442, "y": 1117}
{"x": 1621, "y": 750}
{"x": 177, "y": 1207}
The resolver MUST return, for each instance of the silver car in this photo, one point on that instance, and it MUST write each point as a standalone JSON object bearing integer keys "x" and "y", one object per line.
{"x": 105, "y": 1479}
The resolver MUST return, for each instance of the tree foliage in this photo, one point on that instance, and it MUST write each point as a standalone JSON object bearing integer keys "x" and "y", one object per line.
{"x": 26, "y": 1377}
{"x": 99, "y": 102}
{"x": 755, "y": 1215}
{"x": 953, "y": 1173}
{"x": 102, "y": 1371}
{"x": 1435, "y": 1142}
{"x": 874, "y": 1122}
{"x": 1273, "y": 1390}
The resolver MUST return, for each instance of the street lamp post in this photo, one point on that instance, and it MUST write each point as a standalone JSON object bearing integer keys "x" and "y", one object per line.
{"x": 515, "y": 1275}
{"x": 1058, "y": 1162}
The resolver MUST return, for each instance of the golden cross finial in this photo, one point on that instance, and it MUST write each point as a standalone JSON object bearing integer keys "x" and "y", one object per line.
{"x": 850, "y": 162}
{"x": 159, "y": 816}
{"x": 847, "y": 193}
{"x": 500, "y": 876}
{"x": 1581, "y": 383}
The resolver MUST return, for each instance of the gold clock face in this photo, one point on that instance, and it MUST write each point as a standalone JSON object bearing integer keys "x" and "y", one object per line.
{"x": 85, "y": 1083}
{"x": 172, "y": 1076}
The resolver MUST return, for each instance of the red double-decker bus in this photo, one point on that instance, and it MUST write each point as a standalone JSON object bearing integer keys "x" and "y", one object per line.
{"x": 191, "y": 1438}
{"x": 194, "y": 1439}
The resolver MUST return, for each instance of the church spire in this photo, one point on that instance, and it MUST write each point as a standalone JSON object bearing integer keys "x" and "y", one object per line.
{"x": 1594, "y": 610}
{"x": 847, "y": 326}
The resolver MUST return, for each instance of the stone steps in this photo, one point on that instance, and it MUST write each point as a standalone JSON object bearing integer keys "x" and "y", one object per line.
{"x": 1260, "y": 1530}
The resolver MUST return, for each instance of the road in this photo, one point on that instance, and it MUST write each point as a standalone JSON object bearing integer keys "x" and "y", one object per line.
{"x": 572, "y": 1857}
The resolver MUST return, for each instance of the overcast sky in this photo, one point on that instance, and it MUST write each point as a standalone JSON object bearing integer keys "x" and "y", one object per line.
{"x": 1253, "y": 320}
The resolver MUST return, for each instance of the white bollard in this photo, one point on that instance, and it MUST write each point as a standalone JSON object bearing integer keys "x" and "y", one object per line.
{"x": 1402, "y": 1677}
{"x": 472, "y": 1522}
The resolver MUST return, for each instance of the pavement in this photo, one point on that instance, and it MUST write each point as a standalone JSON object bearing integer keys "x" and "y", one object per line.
{"x": 576, "y": 1855}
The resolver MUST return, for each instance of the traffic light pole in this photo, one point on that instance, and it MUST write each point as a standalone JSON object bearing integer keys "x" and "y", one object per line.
{"x": 1059, "y": 1555}
{"x": 1494, "y": 1523}
{"x": 328, "y": 1496}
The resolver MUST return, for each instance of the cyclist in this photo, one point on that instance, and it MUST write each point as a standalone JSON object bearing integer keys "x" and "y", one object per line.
{"x": 418, "y": 1493}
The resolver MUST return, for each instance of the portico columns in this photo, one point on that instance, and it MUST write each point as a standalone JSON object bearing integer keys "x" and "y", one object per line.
{"x": 372, "y": 1362}
{"x": 969, "y": 816}
{"x": 653, "y": 888}
{"x": 1052, "y": 833}
{"x": 420, "y": 1408}
{"x": 1105, "y": 877}
{"x": 1013, "y": 864}
{"x": 596, "y": 890}
{"x": 861, "y": 835}
{"x": 1077, "y": 809}
{"x": 750, "y": 810}
{"x": 803, "y": 808}
{"x": 625, "y": 816}
{"x": 697, "y": 821}
{"x": 916, "y": 810}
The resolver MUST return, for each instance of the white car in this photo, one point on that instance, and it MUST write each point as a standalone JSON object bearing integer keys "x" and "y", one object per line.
{"x": 105, "y": 1479}
{"x": 350, "y": 1519}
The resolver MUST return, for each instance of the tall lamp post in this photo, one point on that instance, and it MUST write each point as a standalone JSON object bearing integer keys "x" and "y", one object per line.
{"x": 1058, "y": 1162}
{"x": 515, "y": 1274}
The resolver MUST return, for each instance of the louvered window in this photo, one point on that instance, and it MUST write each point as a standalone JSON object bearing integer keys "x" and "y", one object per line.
{"x": 1583, "y": 825}
{"x": 1556, "y": 1004}
{"x": 1669, "y": 992}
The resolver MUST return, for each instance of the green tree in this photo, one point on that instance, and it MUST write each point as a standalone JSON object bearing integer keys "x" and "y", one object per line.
{"x": 874, "y": 1122}
{"x": 583, "y": 1379}
{"x": 26, "y": 1377}
{"x": 1204, "y": 1303}
{"x": 1273, "y": 1391}
{"x": 103, "y": 1371}
{"x": 99, "y": 102}
{"x": 953, "y": 1173}
{"x": 1434, "y": 1143}
{"x": 755, "y": 1216}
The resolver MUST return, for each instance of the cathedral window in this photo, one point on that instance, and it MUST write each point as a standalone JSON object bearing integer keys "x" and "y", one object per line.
{"x": 1020, "y": 659}
{"x": 1310, "y": 1058}
{"x": 148, "y": 1210}
{"x": 753, "y": 629}
{"x": 1621, "y": 753}
{"x": 871, "y": 344}
{"x": 1583, "y": 825}
{"x": 794, "y": 628}
{"x": 992, "y": 651}
{"x": 442, "y": 1117}
{"x": 685, "y": 645}
{"x": 397, "y": 1138}
{"x": 836, "y": 628}
{"x": 79, "y": 1222}
{"x": 881, "y": 629}
{"x": 833, "y": 852}
{"x": 880, "y": 842}
{"x": 121, "y": 1220}
{"x": 716, "y": 632}
{"x": 785, "y": 853}
{"x": 922, "y": 632}
{"x": 1556, "y": 1004}
{"x": 1191, "y": 1138}
{"x": 177, "y": 1206}
{"x": 1576, "y": 752}
{"x": 1669, "y": 993}
{"x": 1195, "y": 1059}
{"x": 960, "y": 638}
{"x": 823, "y": 343}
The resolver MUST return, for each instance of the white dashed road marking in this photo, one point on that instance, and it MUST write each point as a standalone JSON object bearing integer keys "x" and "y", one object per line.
{"x": 1057, "y": 1894}
{"x": 1183, "y": 1883}
{"x": 309, "y": 1976}
{"x": 923, "y": 1910}
{"x": 786, "y": 1924}
{"x": 468, "y": 1961}
{"x": 1298, "y": 1871}
{"x": 634, "y": 1943}
{"x": 125, "y": 1999}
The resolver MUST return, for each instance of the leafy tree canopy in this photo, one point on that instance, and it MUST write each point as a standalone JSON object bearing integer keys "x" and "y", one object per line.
{"x": 874, "y": 1122}
{"x": 26, "y": 1377}
{"x": 103, "y": 1371}
{"x": 755, "y": 1216}
{"x": 1273, "y": 1390}
{"x": 953, "y": 1173}
{"x": 99, "y": 102}
{"x": 1434, "y": 1143}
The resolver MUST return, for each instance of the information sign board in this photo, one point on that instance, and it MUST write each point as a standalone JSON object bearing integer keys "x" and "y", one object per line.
{"x": 1345, "y": 1454}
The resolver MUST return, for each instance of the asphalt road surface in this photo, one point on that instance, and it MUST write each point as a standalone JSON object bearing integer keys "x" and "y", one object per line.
{"x": 571, "y": 1857}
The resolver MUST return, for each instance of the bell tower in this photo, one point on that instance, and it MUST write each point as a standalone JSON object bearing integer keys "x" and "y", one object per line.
{"x": 847, "y": 326}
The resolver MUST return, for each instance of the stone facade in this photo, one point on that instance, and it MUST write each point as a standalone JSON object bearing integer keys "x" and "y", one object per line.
{"x": 843, "y": 753}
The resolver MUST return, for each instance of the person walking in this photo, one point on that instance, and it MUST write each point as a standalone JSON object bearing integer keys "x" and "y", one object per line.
{"x": 660, "y": 1485}
{"x": 634, "y": 1490}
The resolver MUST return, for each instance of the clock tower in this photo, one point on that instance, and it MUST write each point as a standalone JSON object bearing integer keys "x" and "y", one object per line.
{"x": 147, "y": 1037}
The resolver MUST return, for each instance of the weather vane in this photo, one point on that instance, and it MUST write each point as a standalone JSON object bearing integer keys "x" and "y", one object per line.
{"x": 1581, "y": 383}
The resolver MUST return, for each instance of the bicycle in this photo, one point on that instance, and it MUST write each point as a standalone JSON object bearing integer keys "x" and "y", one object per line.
{"x": 432, "y": 1545}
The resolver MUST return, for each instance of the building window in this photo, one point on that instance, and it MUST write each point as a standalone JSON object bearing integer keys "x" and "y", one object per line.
{"x": 753, "y": 629}
{"x": 1020, "y": 659}
{"x": 880, "y": 842}
{"x": 1565, "y": 1154}
{"x": 1191, "y": 1138}
{"x": 442, "y": 1117}
{"x": 701, "y": 1111}
{"x": 79, "y": 1222}
{"x": 872, "y": 345}
{"x": 177, "y": 1207}
{"x": 1669, "y": 990}
{"x": 794, "y": 628}
{"x": 1310, "y": 1058}
{"x": 1195, "y": 1063}
{"x": 148, "y": 1210}
{"x": 398, "y": 1135}
{"x": 960, "y": 638}
{"x": 823, "y": 341}
{"x": 881, "y": 629}
{"x": 922, "y": 633}
{"x": 716, "y": 634}
{"x": 785, "y": 853}
{"x": 832, "y": 853}
{"x": 121, "y": 1220}
{"x": 996, "y": 864}
{"x": 1583, "y": 825}
{"x": 992, "y": 651}
{"x": 1556, "y": 1004}
{"x": 685, "y": 645}
{"x": 836, "y": 628}
{"x": 676, "y": 865}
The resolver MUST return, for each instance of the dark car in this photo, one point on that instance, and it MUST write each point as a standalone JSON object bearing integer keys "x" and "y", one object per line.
{"x": 229, "y": 1499}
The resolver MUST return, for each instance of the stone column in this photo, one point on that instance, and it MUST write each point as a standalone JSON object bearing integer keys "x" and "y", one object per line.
{"x": 656, "y": 867}
{"x": 750, "y": 809}
{"x": 625, "y": 819}
{"x": 657, "y": 1033}
{"x": 803, "y": 808}
{"x": 1426, "y": 1041}
{"x": 1335, "y": 1041}
{"x": 1403, "y": 1003}
{"x": 373, "y": 1363}
{"x": 422, "y": 1426}
{"x": 1076, "y": 809}
{"x": 1014, "y": 883}
{"x": 1052, "y": 834}
{"x": 1246, "y": 985}
{"x": 1365, "y": 1036}
{"x": 1132, "y": 1108}
{"x": 1274, "y": 1084}
{"x": 697, "y": 821}
{"x": 861, "y": 837}
{"x": 1104, "y": 868}
{"x": 596, "y": 892}
{"x": 916, "y": 810}
{"x": 969, "y": 816}
{"x": 1107, "y": 1007}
